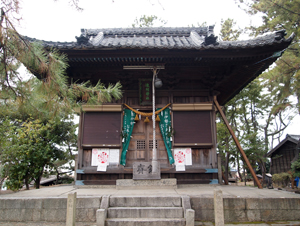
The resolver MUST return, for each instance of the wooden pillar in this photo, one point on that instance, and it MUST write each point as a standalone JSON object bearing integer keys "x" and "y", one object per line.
{"x": 237, "y": 143}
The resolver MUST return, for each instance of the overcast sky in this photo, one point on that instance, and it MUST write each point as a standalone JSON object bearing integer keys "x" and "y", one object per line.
{"x": 57, "y": 21}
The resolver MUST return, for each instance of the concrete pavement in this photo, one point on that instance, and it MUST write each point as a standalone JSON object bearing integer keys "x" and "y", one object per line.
{"x": 279, "y": 223}
{"x": 203, "y": 191}
{"x": 229, "y": 191}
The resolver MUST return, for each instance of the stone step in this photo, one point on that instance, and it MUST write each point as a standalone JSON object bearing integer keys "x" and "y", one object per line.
{"x": 145, "y": 201}
{"x": 145, "y": 212}
{"x": 144, "y": 222}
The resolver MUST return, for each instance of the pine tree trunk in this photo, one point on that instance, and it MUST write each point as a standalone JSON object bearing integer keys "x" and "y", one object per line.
{"x": 238, "y": 167}
{"x": 37, "y": 183}
{"x": 57, "y": 177}
{"x": 262, "y": 166}
{"x": 245, "y": 176}
{"x": 38, "y": 180}
{"x": 26, "y": 183}
{"x": 226, "y": 165}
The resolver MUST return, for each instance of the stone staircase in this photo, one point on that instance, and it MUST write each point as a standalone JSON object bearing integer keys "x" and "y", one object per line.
{"x": 145, "y": 211}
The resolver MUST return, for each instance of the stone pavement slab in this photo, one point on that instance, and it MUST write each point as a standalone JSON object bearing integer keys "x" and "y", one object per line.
{"x": 197, "y": 223}
{"x": 190, "y": 190}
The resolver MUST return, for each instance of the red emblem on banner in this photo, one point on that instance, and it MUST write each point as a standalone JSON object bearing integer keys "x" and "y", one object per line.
{"x": 102, "y": 157}
{"x": 179, "y": 157}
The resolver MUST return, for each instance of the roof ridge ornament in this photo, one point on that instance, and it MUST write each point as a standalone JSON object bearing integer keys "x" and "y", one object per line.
{"x": 210, "y": 38}
{"x": 95, "y": 41}
{"x": 83, "y": 39}
{"x": 197, "y": 39}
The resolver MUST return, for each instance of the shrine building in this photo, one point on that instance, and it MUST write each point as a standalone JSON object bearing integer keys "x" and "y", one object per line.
{"x": 189, "y": 67}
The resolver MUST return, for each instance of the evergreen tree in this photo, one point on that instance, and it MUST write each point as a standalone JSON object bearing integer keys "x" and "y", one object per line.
{"x": 227, "y": 149}
{"x": 149, "y": 21}
{"x": 35, "y": 113}
{"x": 50, "y": 94}
{"x": 258, "y": 115}
{"x": 29, "y": 147}
{"x": 284, "y": 78}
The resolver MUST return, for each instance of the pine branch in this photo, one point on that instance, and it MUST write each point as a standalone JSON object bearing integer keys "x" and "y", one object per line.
{"x": 290, "y": 11}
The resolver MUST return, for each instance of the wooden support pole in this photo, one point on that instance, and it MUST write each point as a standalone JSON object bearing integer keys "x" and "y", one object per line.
{"x": 237, "y": 143}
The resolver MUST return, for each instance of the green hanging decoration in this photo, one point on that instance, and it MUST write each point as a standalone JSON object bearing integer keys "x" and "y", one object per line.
{"x": 166, "y": 129}
{"x": 128, "y": 123}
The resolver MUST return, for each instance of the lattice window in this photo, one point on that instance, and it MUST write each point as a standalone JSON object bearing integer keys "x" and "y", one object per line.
{"x": 151, "y": 144}
{"x": 141, "y": 144}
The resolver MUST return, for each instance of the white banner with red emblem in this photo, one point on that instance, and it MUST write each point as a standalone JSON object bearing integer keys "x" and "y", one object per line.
{"x": 100, "y": 158}
{"x": 183, "y": 157}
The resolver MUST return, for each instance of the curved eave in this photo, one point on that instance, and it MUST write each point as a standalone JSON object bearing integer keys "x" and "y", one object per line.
{"x": 176, "y": 43}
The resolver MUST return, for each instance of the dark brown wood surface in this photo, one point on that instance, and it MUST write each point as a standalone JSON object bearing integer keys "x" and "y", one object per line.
{"x": 281, "y": 159}
{"x": 102, "y": 128}
{"x": 192, "y": 127}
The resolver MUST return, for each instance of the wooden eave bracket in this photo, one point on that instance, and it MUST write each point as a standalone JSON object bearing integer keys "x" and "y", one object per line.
{"x": 237, "y": 142}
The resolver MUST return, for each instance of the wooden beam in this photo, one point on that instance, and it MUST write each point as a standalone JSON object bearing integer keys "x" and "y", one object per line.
{"x": 237, "y": 143}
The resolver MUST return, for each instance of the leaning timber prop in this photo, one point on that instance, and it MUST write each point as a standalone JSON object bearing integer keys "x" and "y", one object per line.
{"x": 237, "y": 143}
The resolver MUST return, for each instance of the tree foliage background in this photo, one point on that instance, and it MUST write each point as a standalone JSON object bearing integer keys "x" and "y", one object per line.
{"x": 259, "y": 114}
{"x": 282, "y": 81}
{"x": 35, "y": 112}
{"x": 276, "y": 15}
{"x": 262, "y": 111}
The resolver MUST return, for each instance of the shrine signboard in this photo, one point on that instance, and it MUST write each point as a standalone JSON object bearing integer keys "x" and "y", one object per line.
{"x": 145, "y": 91}
{"x": 143, "y": 171}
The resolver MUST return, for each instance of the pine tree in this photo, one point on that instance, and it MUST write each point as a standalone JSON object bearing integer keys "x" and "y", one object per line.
{"x": 35, "y": 113}
{"x": 277, "y": 15}
{"x": 49, "y": 95}
{"x": 148, "y": 21}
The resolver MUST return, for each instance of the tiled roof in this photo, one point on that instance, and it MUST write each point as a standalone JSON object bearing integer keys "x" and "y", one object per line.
{"x": 289, "y": 137}
{"x": 162, "y": 38}
{"x": 295, "y": 137}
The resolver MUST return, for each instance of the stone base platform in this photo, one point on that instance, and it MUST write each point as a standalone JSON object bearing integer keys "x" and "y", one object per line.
{"x": 170, "y": 183}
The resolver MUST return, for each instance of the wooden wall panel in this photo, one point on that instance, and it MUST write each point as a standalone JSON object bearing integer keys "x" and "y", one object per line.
{"x": 101, "y": 128}
{"x": 281, "y": 159}
{"x": 87, "y": 158}
{"x": 132, "y": 101}
{"x": 192, "y": 127}
{"x": 190, "y": 99}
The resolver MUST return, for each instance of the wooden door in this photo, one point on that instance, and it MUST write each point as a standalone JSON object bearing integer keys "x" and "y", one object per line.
{"x": 141, "y": 144}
